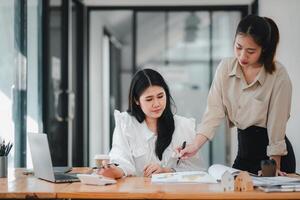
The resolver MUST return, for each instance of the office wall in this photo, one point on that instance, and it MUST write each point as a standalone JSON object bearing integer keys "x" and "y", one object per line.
{"x": 286, "y": 14}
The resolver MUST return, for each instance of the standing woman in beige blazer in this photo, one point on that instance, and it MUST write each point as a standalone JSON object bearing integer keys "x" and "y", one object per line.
{"x": 253, "y": 91}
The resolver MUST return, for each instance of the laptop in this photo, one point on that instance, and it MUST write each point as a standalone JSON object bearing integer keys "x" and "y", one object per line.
{"x": 42, "y": 163}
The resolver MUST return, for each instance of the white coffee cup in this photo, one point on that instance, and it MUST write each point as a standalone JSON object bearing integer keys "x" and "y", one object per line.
{"x": 99, "y": 158}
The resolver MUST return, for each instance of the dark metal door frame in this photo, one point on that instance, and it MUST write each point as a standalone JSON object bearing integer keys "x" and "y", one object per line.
{"x": 67, "y": 124}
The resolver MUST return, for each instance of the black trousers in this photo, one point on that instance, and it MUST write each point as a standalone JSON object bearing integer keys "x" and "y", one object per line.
{"x": 252, "y": 148}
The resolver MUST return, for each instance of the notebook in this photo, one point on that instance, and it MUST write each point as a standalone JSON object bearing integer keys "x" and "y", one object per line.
{"x": 41, "y": 160}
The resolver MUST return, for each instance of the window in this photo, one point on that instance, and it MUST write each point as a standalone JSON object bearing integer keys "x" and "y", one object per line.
{"x": 19, "y": 55}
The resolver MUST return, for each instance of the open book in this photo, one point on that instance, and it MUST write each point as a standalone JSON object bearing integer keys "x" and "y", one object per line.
{"x": 218, "y": 170}
{"x": 183, "y": 177}
{"x": 214, "y": 174}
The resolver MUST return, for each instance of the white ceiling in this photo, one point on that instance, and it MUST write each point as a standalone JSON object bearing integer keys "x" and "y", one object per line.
{"x": 165, "y": 2}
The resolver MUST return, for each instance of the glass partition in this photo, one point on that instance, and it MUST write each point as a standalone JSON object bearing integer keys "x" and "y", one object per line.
{"x": 13, "y": 80}
{"x": 223, "y": 31}
{"x": 19, "y": 84}
{"x": 34, "y": 86}
{"x": 185, "y": 47}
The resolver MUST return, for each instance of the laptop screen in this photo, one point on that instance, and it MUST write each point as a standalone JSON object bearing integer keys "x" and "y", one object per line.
{"x": 41, "y": 158}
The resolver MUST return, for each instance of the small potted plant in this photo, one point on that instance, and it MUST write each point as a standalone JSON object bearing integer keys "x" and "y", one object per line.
{"x": 4, "y": 151}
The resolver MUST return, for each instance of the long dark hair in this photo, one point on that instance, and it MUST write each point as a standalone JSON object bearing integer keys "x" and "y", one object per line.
{"x": 165, "y": 124}
{"x": 265, "y": 33}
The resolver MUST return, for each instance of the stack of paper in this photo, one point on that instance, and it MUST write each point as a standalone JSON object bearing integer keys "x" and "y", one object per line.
{"x": 275, "y": 181}
{"x": 280, "y": 188}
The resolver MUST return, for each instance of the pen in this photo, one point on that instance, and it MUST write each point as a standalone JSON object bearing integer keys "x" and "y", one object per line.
{"x": 182, "y": 147}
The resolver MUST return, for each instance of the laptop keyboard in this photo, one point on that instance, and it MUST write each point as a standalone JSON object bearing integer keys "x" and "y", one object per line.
{"x": 65, "y": 177}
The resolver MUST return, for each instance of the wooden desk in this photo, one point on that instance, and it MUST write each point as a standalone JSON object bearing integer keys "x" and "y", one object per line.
{"x": 142, "y": 188}
{"x": 21, "y": 186}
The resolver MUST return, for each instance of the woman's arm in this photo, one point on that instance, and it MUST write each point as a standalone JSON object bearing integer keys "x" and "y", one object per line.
{"x": 278, "y": 117}
{"x": 120, "y": 152}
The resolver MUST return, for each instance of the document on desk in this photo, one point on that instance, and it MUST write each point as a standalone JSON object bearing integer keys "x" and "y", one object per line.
{"x": 183, "y": 177}
{"x": 215, "y": 173}
{"x": 275, "y": 181}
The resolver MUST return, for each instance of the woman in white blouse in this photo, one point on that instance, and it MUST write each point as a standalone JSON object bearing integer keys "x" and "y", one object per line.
{"x": 145, "y": 137}
{"x": 254, "y": 93}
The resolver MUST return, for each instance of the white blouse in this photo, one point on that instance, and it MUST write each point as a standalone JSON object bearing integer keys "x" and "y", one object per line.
{"x": 134, "y": 145}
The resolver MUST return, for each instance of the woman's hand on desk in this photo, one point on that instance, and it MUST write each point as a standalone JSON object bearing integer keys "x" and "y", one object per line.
{"x": 281, "y": 173}
{"x": 111, "y": 171}
{"x": 155, "y": 168}
{"x": 278, "y": 164}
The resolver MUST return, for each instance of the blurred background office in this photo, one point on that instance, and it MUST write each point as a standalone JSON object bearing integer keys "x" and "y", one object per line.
{"x": 65, "y": 65}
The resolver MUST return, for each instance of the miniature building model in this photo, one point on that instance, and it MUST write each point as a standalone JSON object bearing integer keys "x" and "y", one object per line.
{"x": 243, "y": 182}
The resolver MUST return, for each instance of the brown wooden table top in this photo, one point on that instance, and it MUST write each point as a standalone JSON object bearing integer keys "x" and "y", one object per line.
{"x": 142, "y": 188}
{"x": 22, "y": 186}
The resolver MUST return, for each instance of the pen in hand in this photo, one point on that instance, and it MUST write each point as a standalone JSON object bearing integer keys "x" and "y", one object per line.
{"x": 182, "y": 147}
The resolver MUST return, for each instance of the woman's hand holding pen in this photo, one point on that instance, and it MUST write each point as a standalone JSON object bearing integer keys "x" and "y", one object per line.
{"x": 111, "y": 170}
{"x": 191, "y": 149}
